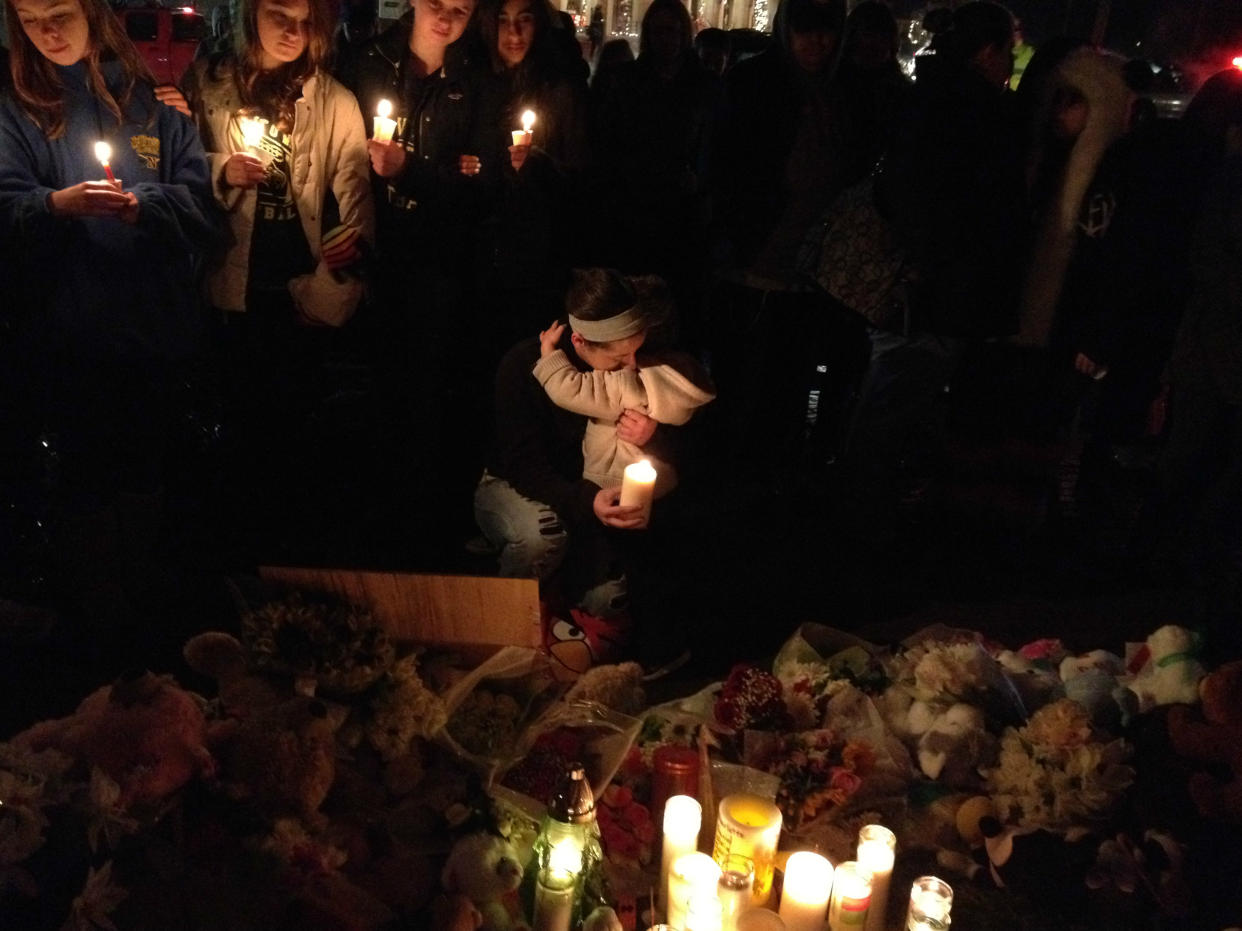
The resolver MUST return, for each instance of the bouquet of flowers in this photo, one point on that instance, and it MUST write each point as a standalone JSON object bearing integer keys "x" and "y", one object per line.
{"x": 819, "y": 770}
{"x": 1057, "y": 772}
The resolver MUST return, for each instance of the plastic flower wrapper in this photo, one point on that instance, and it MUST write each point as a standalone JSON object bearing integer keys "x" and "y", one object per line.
{"x": 943, "y": 666}
{"x": 584, "y": 732}
{"x": 490, "y": 709}
{"x": 1057, "y": 772}
{"x": 817, "y": 651}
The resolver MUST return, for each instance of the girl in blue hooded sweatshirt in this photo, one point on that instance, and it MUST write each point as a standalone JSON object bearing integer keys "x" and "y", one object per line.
{"x": 103, "y": 310}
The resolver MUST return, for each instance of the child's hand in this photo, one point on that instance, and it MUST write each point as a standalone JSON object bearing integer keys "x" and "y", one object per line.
{"x": 550, "y": 338}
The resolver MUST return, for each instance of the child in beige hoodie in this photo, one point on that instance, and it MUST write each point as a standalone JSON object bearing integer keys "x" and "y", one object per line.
{"x": 667, "y": 386}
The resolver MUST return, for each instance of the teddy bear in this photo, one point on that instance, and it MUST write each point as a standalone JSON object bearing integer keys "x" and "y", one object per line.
{"x": 953, "y": 744}
{"x": 1213, "y": 736}
{"x": 1164, "y": 670}
{"x": 1092, "y": 680}
{"x": 282, "y": 758}
{"x": 144, "y": 731}
{"x": 481, "y": 874}
{"x": 239, "y": 690}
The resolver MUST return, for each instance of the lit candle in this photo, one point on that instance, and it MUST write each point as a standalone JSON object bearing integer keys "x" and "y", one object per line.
{"x": 253, "y": 129}
{"x": 382, "y": 127}
{"x": 554, "y": 900}
{"x": 694, "y": 875}
{"x": 748, "y": 826}
{"x": 638, "y": 486}
{"x": 683, "y": 816}
{"x": 524, "y": 136}
{"x": 876, "y": 848}
{"x": 851, "y": 898}
{"x": 704, "y": 914}
{"x": 103, "y": 152}
{"x": 930, "y": 901}
{"x": 759, "y": 919}
{"x": 733, "y": 890}
{"x": 807, "y": 889}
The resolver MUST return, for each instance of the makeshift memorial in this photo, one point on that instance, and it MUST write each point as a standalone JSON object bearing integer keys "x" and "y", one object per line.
{"x": 682, "y": 818}
{"x": 693, "y": 875}
{"x": 1164, "y": 670}
{"x": 565, "y": 877}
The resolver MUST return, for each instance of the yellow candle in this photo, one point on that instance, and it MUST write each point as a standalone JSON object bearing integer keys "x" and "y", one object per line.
{"x": 876, "y": 848}
{"x": 683, "y": 816}
{"x": 638, "y": 487}
{"x": 805, "y": 895}
{"x": 749, "y": 826}
{"x": 851, "y": 898}
{"x": 694, "y": 875}
{"x": 382, "y": 127}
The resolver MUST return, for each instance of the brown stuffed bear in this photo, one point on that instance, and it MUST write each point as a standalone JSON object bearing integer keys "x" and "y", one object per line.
{"x": 1214, "y": 737}
{"x": 146, "y": 732}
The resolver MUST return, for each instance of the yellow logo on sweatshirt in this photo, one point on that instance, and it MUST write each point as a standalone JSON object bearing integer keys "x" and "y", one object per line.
{"x": 147, "y": 148}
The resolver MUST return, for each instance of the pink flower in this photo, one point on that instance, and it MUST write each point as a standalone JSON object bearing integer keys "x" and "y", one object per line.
{"x": 844, "y": 780}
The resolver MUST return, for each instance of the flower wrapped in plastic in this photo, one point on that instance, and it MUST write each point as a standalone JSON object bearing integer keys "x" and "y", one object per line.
{"x": 1057, "y": 772}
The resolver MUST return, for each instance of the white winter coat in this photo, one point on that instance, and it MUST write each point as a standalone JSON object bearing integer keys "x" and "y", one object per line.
{"x": 328, "y": 148}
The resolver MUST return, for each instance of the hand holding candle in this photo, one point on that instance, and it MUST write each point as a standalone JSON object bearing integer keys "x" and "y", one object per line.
{"x": 382, "y": 127}
{"x": 524, "y": 136}
{"x": 103, "y": 152}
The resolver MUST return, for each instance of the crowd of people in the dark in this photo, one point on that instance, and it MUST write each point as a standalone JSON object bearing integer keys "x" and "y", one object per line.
{"x": 681, "y": 249}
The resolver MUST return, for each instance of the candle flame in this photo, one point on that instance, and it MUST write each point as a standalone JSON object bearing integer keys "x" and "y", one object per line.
{"x": 528, "y": 120}
{"x": 252, "y": 130}
{"x": 383, "y": 109}
{"x": 103, "y": 152}
{"x": 641, "y": 471}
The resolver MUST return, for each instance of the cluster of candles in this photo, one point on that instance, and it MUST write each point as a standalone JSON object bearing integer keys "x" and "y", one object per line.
{"x": 383, "y": 125}
{"x": 731, "y": 889}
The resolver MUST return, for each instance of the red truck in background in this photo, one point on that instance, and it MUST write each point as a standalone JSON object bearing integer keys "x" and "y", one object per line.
{"x": 167, "y": 37}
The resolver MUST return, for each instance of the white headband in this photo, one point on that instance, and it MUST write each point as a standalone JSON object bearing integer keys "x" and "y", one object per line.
{"x": 618, "y": 326}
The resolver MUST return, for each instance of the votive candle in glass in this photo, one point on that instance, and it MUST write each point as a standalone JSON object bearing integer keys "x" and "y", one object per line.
{"x": 931, "y": 899}
{"x": 807, "y": 890}
{"x": 734, "y": 889}
{"x": 749, "y": 826}
{"x": 877, "y": 847}
{"x": 851, "y": 897}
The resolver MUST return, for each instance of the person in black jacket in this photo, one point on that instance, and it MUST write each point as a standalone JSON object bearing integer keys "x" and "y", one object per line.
{"x": 431, "y": 183}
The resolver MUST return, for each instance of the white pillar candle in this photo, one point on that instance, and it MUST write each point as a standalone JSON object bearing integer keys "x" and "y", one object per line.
{"x": 693, "y": 875}
{"x": 876, "y": 852}
{"x": 524, "y": 136}
{"x": 749, "y": 826}
{"x": 554, "y": 900}
{"x": 851, "y": 897}
{"x": 683, "y": 816}
{"x": 807, "y": 889}
{"x": 382, "y": 127}
{"x": 931, "y": 899}
{"x": 638, "y": 486}
{"x": 703, "y": 914}
{"x": 759, "y": 919}
{"x": 734, "y": 889}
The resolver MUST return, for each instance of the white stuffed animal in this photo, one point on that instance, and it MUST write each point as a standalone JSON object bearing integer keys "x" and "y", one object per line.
{"x": 1165, "y": 669}
{"x": 956, "y": 744}
{"x": 484, "y": 868}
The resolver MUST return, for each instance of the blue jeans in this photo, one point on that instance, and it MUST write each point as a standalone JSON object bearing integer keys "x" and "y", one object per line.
{"x": 534, "y": 543}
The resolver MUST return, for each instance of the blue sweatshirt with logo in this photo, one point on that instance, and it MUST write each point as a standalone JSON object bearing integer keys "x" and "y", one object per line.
{"x": 99, "y": 287}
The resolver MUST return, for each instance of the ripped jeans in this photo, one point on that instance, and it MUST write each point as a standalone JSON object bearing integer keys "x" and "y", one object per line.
{"x": 534, "y": 543}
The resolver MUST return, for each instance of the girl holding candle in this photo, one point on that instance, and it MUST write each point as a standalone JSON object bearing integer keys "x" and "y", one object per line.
{"x": 287, "y": 149}
{"x": 104, "y": 273}
{"x": 529, "y": 237}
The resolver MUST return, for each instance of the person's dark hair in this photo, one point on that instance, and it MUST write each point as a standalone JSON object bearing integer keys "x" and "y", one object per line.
{"x": 612, "y": 55}
{"x": 678, "y": 11}
{"x": 871, "y": 16}
{"x": 280, "y": 87}
{"x": 714, "y": 39}
{"x": 36, "y": 82}
{"x": 976, "y": 26}
{"x": 1215, "y": 107}
{"x": 538, "y": 57}
{"x": 601, "y": 293}
{"x": 815, "y": 15}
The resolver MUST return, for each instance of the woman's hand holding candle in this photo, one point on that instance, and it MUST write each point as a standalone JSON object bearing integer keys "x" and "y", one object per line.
{"x": 89, "y": 199}
{"x": 243, "y": 170}
{"x": 382, "y": 126}
{"x": 469, "y": 165}
{"x": 608, "y": 509}
{"x": 387, "y": 158}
